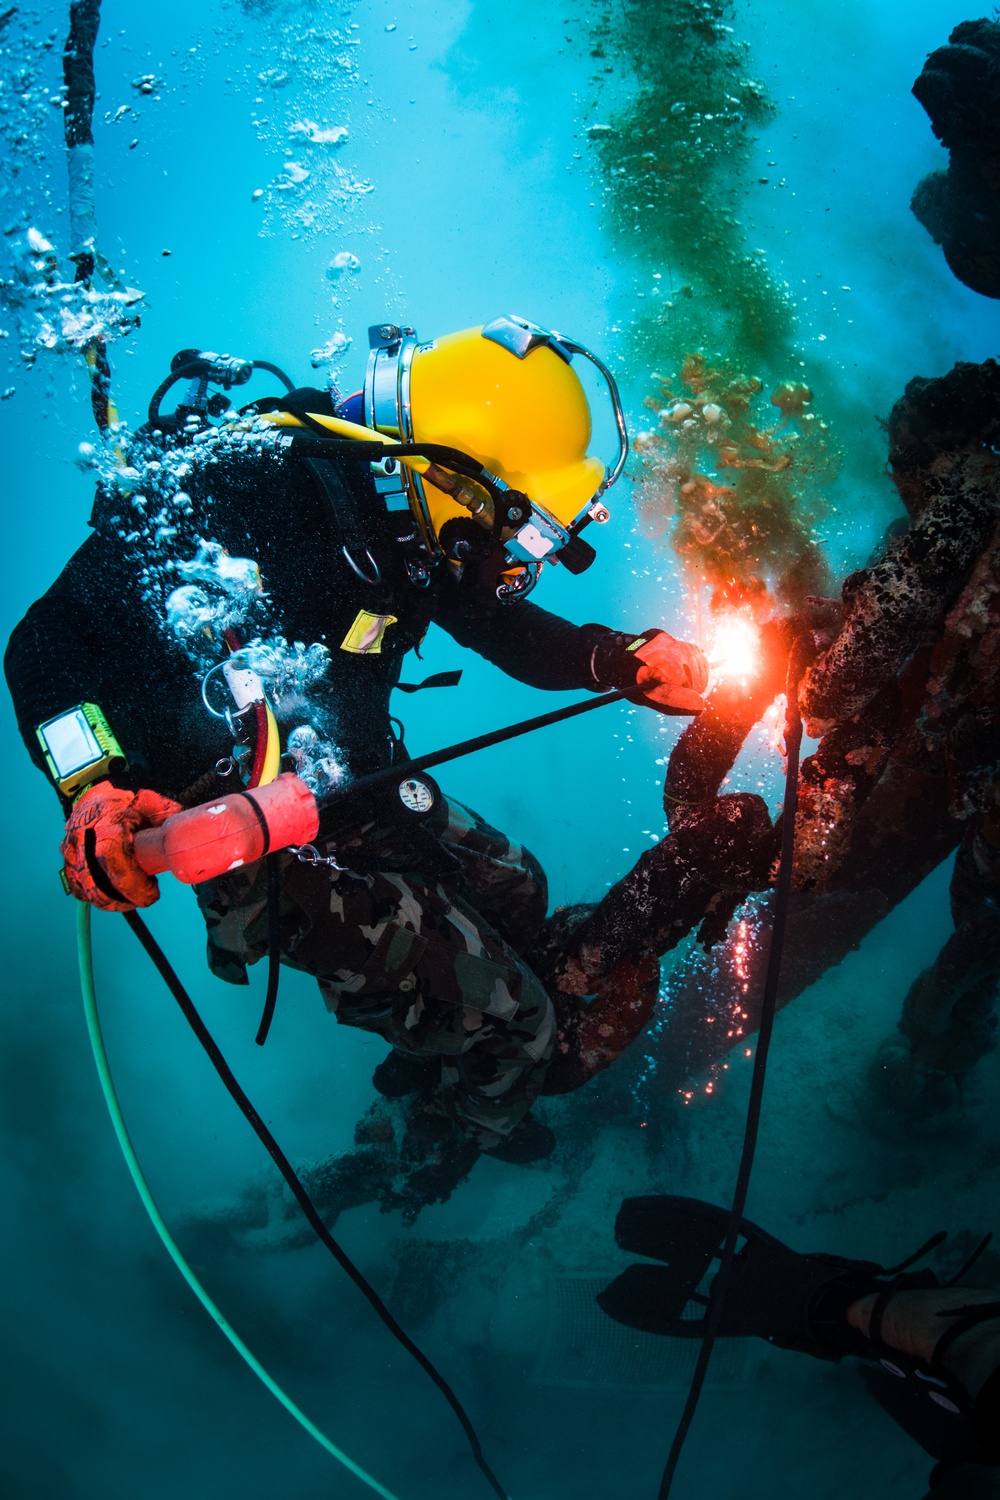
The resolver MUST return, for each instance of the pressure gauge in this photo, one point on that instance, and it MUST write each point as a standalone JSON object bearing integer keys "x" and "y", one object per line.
{"x": 416, "y": 795}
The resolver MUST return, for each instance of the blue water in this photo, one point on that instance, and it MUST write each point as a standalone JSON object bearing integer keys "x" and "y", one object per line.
{"x": 467, "y": 123}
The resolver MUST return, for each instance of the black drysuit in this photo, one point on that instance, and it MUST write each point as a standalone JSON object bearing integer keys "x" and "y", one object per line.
{"x": 93, "y": 638}
{"x": 399, "y": 944}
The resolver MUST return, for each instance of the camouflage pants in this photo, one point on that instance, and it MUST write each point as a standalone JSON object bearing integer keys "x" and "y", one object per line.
{"x": 422, "y": 949}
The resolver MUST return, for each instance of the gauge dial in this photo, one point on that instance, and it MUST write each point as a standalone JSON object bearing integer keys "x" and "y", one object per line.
{"x": 415, "y": 795}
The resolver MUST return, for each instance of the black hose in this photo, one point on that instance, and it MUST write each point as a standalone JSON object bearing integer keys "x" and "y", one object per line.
{"x": 201, "y": 1031}
{"x": 183, "y": 372}
{"x": 265, "y": 364}
{"x": 197, "y": 367}
{"x": 335, "y": 802}
{"x": 78, "y": 72}
{"x": 720, "y": 1286}
{"x": 452, "y": 458}
{"x": 273, "y": 865}
{"x": 438, "y": 453}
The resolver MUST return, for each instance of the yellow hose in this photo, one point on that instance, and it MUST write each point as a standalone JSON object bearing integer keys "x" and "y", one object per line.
{"x": 457, "y": 488}
{"x": 272, "y": 753}
{"x": 341, "y": 428}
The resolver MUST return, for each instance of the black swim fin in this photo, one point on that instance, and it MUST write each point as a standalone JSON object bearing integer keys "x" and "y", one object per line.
{"x": 794, "y": 1301}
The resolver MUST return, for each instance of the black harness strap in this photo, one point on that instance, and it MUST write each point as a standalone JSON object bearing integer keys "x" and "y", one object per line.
{"x": 265, "y": 830}
{"x": 359, "y": 521}
{"x": 435, "y": 680}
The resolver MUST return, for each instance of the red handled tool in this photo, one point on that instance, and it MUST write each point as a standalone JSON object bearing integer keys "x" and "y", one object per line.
{"x": 231, "y": 831}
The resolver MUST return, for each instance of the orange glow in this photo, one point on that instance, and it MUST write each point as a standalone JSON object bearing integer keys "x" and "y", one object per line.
{"x": 733, "y": 647}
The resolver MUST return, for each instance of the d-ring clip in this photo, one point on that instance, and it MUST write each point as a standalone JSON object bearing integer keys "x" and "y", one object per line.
{"x": 308, "y": 854}
{"x": 374, "y": 577}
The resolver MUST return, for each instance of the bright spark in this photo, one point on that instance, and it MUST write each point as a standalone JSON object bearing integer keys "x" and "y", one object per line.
{"x": 734, "y": 647}
{"x": 741, "y": 958}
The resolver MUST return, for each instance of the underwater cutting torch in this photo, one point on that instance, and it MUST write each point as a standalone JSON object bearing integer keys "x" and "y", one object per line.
{"x": 229, "y": 832}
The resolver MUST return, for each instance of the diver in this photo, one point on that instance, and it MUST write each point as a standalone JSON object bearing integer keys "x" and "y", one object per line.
{"x": 248, "y": 595}
{"x": 933, "y": 1347}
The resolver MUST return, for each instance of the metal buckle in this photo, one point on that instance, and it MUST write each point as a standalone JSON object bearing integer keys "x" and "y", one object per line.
{"x": 374, "y": 577}
{"x": 308, "y": 854}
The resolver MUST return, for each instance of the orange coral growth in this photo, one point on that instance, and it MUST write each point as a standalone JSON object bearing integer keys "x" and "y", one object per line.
{"x": 743, "y": 490}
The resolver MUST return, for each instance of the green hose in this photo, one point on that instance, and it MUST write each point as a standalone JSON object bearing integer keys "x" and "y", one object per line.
{"x": 86, "y": 958}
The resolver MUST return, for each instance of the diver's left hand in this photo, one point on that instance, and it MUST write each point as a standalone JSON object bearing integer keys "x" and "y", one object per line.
{"x": 672, "y": 674}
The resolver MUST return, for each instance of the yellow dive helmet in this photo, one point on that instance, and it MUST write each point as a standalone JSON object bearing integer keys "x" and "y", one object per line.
{"x": 507, "y": 395}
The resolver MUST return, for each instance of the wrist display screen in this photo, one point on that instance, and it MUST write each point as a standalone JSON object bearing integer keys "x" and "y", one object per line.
{"x": 71, "y": 743}
{"x": 78, "y": 746}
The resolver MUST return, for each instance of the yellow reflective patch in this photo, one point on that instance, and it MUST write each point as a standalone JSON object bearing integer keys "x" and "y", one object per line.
{"x": 365, "y": 636}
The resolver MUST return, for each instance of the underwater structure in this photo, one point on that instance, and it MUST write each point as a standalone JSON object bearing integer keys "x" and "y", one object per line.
{"x": 902, "y": 774}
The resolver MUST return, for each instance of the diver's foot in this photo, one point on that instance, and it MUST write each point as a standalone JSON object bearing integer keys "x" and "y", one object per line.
{"x": 528, "y": 1142}
{"x": 403, "y": 1073}
{"x": 795, "y": 1301}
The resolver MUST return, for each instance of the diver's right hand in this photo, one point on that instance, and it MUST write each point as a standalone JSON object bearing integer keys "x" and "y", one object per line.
{"x": 100, "y": 863}
{"x": 672, "y": 675}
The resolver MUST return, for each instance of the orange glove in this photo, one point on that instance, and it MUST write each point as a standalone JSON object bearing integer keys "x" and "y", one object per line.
{"x": 100, "y": 865}
{"x": 672, "y": 673}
